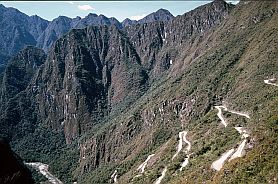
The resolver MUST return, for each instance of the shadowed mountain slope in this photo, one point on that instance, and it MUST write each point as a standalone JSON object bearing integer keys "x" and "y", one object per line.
{"x": 12, "y": 169}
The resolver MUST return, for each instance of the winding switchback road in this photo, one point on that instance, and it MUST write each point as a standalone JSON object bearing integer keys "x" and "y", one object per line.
{"x": 114, "y": 176}
{"x": 218, "y": 164}
{"x": 144, "y": 164}
{"x": 220, "y": 114}
{"x": 158, "y": 181}
{"x": 270, "y": 82}
{"x": 182, "y": 138}
{"x": 221, "y": 117}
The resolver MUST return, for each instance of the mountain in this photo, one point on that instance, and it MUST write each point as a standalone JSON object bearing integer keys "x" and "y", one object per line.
{"x": 87, "y": 74}
{"x": 19, "y": 72}
{"x": 36, "y": 25}
{"x": 17, "y": 76}
{"x": 96, "y": 72}
{"x": 55, "y": 29}
{"x": 190, "y": 100}
{"x": 97, "y": 20}
{"x": 61, "y": 25}
{"x": 12, "y": 169}
{"x": 17, "y": 31}
{"x": 159, "y": 43}
{"x": 128, "y": 22}
{"x": 160, "y": 15}
{"x": 20, "y": 30}
{"x": 14, "y": 31}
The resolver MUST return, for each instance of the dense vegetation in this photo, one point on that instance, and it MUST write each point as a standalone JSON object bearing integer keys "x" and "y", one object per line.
{"x": 127, "y": 110}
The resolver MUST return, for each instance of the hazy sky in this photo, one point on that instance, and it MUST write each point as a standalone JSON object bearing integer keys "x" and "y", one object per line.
{"x": 118, "y": 9}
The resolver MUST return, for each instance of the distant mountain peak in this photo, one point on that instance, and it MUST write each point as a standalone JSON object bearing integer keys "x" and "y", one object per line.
{"x": 128, "y": 22}
{"x": 92, "y": 15}
{"x": 162, "y": 10}
{"x": 160, "y": 15}
{"x": 62, "y": 17}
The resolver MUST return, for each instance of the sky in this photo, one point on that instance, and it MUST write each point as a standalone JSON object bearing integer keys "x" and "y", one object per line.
{"x": 119, "y": 9}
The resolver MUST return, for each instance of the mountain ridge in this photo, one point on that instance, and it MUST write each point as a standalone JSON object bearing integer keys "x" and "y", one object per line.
{"x": 160, "y": 15}
{"x": 44, "y": 33}
{"x": 114, "y": 101}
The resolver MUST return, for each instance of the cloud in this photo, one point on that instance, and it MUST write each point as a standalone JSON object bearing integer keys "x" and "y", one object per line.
{"x": 70, "y": 2}
{"x": 85, "y": 7}
{"x": 137, "y": 17}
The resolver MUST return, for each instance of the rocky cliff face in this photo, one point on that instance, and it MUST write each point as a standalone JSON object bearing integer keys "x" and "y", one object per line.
{"x": 52, "y": 32}
{"x": 212, "y": 77}
{"x": 62, "y": 25}
{"x": 93, "y": 74}
{"x": 19, "y": 30}
{"x": 159, "y": 43}
{"x": 19, "y": 72}
{"x": 121, "y": 95}
{"x": 36, "y": 26}
{"x": 15, "y": 104}
{"x": 96, "y": 72}
{"x": 88, "y": 74}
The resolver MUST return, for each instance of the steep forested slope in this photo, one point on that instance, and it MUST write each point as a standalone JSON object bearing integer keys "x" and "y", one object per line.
{"x": 157, "y": 102}
{"x": 229, "y": 71}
